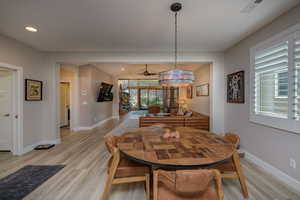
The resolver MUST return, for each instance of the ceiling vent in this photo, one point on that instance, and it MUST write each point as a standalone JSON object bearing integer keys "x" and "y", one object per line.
{"x": 251, "y": 6}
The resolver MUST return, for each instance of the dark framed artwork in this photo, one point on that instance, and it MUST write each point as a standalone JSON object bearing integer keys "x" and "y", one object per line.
{"x": 236, "y": 87}
{"x": 202, "y": 90}
{"x": 33, "y": 90}
{"x": 189, "y": 92}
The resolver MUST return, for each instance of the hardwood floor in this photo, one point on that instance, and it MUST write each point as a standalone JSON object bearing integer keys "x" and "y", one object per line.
{"x": 83, "y": 178}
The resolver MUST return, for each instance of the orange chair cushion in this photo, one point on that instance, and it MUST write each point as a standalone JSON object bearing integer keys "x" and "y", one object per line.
{"x": 186, "y": 185}
{"x": 164, "y": 193}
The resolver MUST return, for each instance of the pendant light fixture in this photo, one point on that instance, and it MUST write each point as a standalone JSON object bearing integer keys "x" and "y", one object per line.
{"x": 176, "y": 77}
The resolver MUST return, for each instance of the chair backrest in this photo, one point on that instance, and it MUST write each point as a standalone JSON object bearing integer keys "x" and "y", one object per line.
{"x": 190, "y": 181}
{"x": 111, "y": 143}
{"x": 233, "y": 138}
{"x": 112, "y": 147}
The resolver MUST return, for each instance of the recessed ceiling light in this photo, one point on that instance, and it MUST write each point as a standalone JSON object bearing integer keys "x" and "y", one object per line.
{"x": 30, "y": 28}
{"x": 122, "y": 69}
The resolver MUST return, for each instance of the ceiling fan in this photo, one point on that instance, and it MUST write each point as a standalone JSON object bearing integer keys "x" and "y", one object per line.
{"x": 147, "y": 73}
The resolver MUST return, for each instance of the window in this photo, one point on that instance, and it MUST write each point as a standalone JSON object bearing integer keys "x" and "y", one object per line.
{"x": 133, "y": 83}
{"x": 297, "y": 78}
{"x": 275, "y": 82}
{"x": 270, "y": 65}
{"x": 281, "y": 84}
{"x": 123, "y": 84}
{"x": 139, "y": 94}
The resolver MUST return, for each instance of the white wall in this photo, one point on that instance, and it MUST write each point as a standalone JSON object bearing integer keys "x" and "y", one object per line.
{"x": 91, "y": 111}
{"x": 102, "y": 110}
{"x": 36, "y": 114}
{"x": 200, "y": 104}
{"x": 271, "y": 145}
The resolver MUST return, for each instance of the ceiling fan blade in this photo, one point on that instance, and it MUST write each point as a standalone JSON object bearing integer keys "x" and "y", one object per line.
{"x": 152, "y": 74}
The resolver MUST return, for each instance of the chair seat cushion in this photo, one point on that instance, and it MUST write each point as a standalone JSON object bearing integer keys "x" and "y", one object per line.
{"x": 165, "y": 193}
{"x": 127, "y": 168}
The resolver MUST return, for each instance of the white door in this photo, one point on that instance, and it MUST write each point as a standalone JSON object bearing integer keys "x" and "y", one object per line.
{"x": 64, "y": 103}
{"x": 6, "y": 90}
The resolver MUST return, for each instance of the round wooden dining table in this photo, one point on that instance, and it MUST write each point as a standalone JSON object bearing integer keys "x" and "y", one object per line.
{"x": 194, "y": 149}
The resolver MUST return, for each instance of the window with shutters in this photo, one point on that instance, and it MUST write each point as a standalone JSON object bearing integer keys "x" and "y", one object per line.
{"x": 281, "y": 84}
{"x": 271, "y": 74}
{"x": 297, "y": 77}
{"x": 275, "y": 82}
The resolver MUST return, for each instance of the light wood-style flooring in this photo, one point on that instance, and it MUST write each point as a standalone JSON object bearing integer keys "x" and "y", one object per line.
{"x": 84, "y": 176}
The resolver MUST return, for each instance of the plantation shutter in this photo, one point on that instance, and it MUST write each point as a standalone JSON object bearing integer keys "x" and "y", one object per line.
{"x": 297, "y": 77}
{"x": 271, "y": 81}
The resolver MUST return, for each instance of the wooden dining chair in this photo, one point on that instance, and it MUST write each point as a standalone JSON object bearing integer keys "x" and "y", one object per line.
{"x": 187, "y": 185}
{"x": 233, "y": 139}
{"x": 122, "y": 170}
{"x": 232, "y": 168}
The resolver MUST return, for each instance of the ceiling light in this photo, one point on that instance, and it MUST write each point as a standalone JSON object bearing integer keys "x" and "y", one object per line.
{"x": 176, "y": 77}
{"x": 31, "y": 29}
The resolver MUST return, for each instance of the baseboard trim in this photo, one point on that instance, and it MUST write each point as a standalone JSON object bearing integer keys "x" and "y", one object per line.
{"x": 5, "y": 145}
{"x": 31, "y": 147}
{"x": 87, "y": 128}
{"x": 291, "y": 182}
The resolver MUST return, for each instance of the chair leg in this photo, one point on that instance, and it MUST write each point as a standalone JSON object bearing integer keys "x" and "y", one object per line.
{"x": 239, "y": 171}
{"x": 155, "y": 185}
{"x": 107, "y": 188}
{"x": 218, "y": 179}
{"x": 147, "y": 182}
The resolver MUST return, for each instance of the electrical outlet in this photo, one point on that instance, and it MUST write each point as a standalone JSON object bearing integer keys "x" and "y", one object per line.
{"x": 293, "y": 163}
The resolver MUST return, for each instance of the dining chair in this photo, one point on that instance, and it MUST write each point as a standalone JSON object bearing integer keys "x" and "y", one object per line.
{"x": 200, "y": 184}
{"x": 122, "y": 170}
{"x": 232, "y": 168}
{"x": 233, "y": 139}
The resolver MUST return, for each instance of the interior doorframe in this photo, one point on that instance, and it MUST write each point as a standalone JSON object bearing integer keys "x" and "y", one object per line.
{"x": 74, "y": 101}
{"x": 71, "y": 102}
{"x": 17, "y": 108}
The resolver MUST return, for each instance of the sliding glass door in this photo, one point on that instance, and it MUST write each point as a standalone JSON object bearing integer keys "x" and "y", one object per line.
{"x": 133, "y": 99}
{"x": 144, "y": 99}
{"x": 150, "y": 97}
{"x": 143, "y": 93}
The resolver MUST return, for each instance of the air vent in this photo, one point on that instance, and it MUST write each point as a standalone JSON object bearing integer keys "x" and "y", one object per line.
{"x": 258, "y": 1}
{"x": 251, "y": 6}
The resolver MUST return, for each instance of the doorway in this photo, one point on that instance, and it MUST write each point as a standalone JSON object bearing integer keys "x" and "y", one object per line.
{"x": 65, "y": 105}
{"x": 6, "y": 109}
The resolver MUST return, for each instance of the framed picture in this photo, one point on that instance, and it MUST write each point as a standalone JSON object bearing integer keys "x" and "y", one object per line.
{"x": 236, "y": 87}
{"x": 33, "y": 90}
{"x": 202, "y": 90}
{"x": 189, "y": 92}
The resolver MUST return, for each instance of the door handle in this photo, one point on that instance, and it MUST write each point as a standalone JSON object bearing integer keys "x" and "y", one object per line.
{"x": 6, "y": 115}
